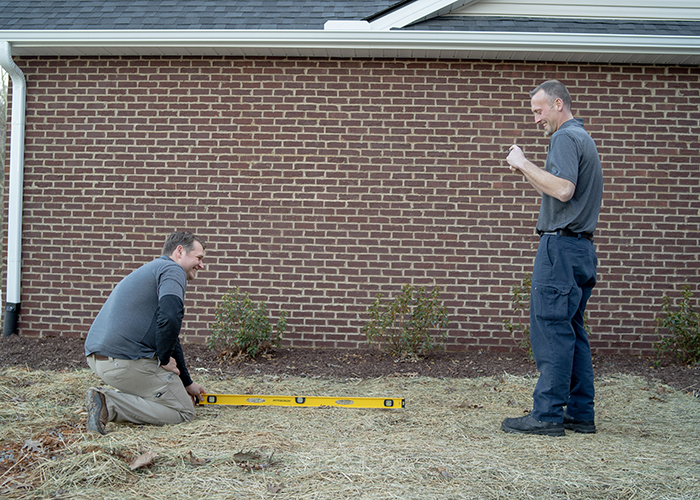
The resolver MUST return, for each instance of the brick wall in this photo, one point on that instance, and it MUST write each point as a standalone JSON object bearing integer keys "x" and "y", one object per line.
{"x": 319, "y": 183}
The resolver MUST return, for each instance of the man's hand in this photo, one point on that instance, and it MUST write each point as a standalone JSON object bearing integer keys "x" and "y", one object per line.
{"x": 171, "y": 366}
{"x": 516, "y": 158}
{"x": 196, "y": 392}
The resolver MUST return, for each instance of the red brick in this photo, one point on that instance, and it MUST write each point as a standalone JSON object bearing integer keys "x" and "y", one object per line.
{"x": 321, "y": 183}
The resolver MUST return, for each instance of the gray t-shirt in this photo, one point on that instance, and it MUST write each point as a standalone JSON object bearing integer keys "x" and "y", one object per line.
{"x": 125, "y": 327}
{"x": 573, "y": 156}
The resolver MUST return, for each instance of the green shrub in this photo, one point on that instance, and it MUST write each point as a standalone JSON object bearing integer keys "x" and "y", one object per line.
{"x": 682, "y": 328}
{"x": 521, "y": 307}
{"x": 412, "y": 324}
{"x": 242, "y": 328}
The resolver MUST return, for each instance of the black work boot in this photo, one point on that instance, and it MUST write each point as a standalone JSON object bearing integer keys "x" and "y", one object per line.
{"x": 582, "y": 426}
{"x": 530, "y": 425}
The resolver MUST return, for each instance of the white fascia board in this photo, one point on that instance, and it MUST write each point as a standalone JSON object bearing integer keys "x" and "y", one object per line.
{"x": 417, "y": 11}
{"x": 361, "y": 43}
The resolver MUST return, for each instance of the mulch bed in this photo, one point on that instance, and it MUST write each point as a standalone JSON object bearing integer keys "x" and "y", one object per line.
{"x": 59, "y": 353}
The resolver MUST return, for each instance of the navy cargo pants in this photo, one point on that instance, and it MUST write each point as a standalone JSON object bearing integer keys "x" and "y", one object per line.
{"x": 562, "y": 280}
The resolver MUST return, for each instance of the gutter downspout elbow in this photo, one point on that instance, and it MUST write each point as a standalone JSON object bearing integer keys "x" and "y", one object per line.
{"x": 14, "y": 217}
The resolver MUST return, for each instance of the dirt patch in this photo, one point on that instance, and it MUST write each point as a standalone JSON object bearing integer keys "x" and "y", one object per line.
{"x": 58, "y": 353}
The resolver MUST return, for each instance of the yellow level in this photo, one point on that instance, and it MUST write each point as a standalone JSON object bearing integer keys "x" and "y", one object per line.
{"x": 303, "y": 401}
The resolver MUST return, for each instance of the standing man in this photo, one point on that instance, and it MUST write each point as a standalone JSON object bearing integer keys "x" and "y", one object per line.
{"x": 134, "y": 346}
{"x": 571, "y": 185}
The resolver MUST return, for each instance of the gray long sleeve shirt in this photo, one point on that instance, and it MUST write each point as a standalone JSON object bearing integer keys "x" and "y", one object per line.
{"x": 143, "y": 315}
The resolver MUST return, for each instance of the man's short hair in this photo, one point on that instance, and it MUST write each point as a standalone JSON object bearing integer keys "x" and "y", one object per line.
{"x": 554, "y": 90}
{"x": 184, "y": 238}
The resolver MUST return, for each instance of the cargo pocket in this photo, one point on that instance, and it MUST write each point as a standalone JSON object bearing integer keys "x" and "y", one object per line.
{"x": 550, "y": 303}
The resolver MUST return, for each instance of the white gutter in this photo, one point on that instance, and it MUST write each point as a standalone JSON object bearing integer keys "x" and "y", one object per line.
{"x": 14, "y": 219}
{"x": 571, "y": 47}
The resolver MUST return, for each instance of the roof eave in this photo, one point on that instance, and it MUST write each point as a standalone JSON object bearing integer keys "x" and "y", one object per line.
{"x": 574, "y": 47}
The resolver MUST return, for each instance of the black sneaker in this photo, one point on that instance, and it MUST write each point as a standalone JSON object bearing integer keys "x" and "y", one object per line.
{"x": 97, "y": 411}
{"x": 582, "y": 426}
{"x": 530, "y": 425}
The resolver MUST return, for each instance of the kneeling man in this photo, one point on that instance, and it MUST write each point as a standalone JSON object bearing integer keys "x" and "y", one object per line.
{"x": 133, "y": 345}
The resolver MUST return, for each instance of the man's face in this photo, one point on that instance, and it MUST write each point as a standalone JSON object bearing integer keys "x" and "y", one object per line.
{"x": 546, "y": 114}
{"x": 190, "y": 261}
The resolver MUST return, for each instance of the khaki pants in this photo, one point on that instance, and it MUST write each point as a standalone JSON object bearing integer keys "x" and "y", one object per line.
{"x": 147, "y": 394}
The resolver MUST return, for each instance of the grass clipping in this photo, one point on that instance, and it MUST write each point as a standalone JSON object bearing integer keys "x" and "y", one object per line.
{"x": 446, "y": 443}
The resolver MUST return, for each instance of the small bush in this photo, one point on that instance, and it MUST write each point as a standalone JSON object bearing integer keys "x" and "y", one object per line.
{"x": 242, "y": 328}
{"x": 521, "y": 306}
{"x": 682, "y": 328}
{"x": 411, "y": 325}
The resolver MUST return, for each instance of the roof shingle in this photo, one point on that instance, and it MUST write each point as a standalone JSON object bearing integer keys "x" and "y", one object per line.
{"x": 181, "y": 14}
{"x": 286, "y": 15}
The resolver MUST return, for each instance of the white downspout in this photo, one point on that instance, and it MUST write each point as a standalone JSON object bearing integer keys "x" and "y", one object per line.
{"x": 14, "y": 216}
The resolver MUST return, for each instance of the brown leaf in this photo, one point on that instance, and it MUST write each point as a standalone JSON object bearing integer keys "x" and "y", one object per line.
{"x": 275, "y": 488}
{"x": 143, "y": 460}
{"x": 197, "y": 461}
{"x": 246, "y": 455}
{"x": 31, "y": 445}
{"x": 251, "y": 461}
{"x": 251, "y": 466}
{"x": 444, "y": 473}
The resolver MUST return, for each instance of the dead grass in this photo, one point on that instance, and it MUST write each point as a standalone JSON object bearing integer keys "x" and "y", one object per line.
{"x": 446, "y": 444}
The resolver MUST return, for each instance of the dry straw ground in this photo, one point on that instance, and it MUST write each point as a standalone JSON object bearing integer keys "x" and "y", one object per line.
{"x": 446, "y": 443}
